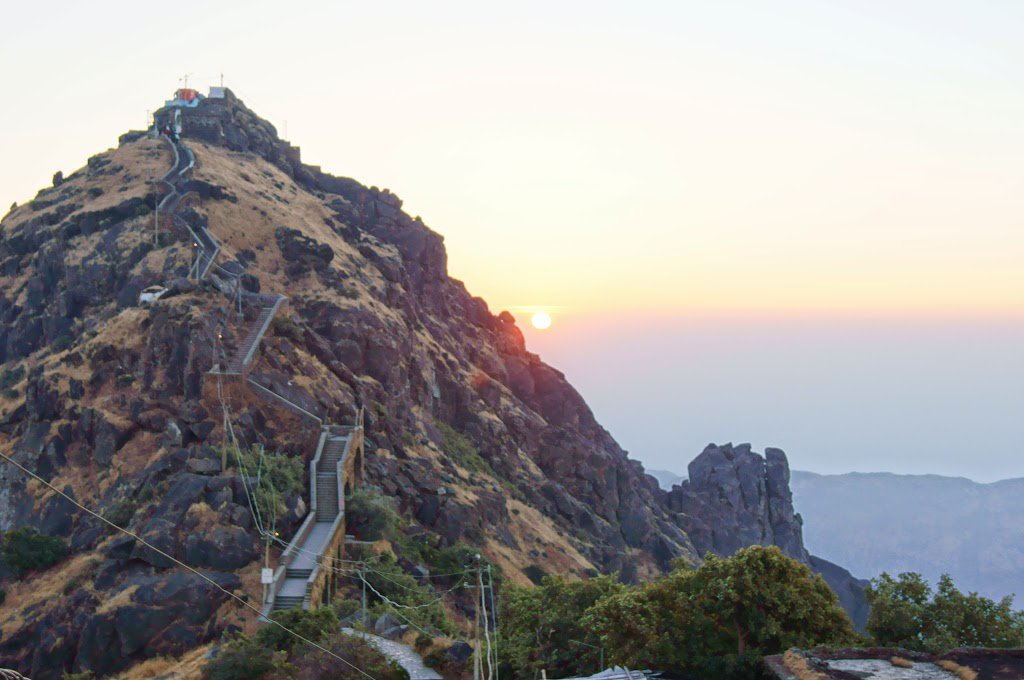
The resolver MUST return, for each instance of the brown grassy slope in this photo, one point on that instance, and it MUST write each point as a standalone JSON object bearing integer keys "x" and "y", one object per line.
{"x": 241, "y": 227}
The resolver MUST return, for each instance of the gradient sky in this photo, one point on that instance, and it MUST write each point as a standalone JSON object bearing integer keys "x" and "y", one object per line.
{"x": 790, "y": 223}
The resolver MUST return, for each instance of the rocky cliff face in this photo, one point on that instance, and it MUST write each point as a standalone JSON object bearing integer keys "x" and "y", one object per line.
{"x": 474, "y": 437}
{"x": 735, "y": 498}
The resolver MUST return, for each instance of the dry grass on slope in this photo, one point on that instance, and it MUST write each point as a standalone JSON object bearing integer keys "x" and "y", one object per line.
{"x": 268, "y": 199}
{"x": 186, "y": 667}
{"x": 800, "y": 668}
{"x": 962, "y": 672}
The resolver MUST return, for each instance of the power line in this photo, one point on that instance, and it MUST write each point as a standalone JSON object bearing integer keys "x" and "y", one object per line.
{"x": 180, "y": 563}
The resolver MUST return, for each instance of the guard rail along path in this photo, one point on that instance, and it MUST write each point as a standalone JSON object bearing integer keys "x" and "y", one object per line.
{"x": 304, "y": 577}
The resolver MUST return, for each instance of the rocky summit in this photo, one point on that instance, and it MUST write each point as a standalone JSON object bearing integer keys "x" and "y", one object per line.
{"x": 129, "y": 292}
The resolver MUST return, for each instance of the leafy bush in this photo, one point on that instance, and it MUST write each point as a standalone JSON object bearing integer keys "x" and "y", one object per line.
{"x": 905, "y": 612}
{"x": 449, "y": 559}
{"x": 539, "y": 622}
{"x": 26, "y": 550}
{"x": 250, "y": 659}
{"x": 242, "y": 659}
{"x": 279, "y": 475}
{"x": 535, "y": 573}
{"x": 346, "y": 607}
{"x": 461, "y": 450}
{"x": 390, "y": 582}
{"x": 122, "y": 512}
{"x": 284, "y": 327}
{"x": 721, "y": 618}
{"x": 423, "y": 641}
{"x": 62, "y": 342}
{"x": 310, "y": 663}
{"x": 313, "y": 625}
{"x": 370, "y": 515}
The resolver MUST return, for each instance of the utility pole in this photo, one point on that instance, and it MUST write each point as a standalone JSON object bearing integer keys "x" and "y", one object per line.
{"x": 476, "y": 628}
{"x": 494, "y": 619}
{"x": 362, "y": 577}
{"x": 266, "y": 564}
{"x": 156, "y": 218}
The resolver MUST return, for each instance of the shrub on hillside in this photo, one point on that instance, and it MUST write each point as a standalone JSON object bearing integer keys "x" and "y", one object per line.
{"x": 461, "y": 450}
{"x": 906, "y": 612}
{"x": 719, "y": 620}
{"x": 310, "y": 663}
{"x": 28, "y": 550}
{"x": 313, "y": 625}
{"x": 279, "y": 475}
{"x": 242, "y": 659}
{"x": 369, "y": 515}
{"x": 539, "y": 624}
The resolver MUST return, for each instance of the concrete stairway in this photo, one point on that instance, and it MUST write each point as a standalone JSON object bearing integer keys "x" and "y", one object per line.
{"x": 293, "y": 589}
{"x": 203, "y": 241}
{"x": 327, "y": 481}
{"x": 247, "y": 346}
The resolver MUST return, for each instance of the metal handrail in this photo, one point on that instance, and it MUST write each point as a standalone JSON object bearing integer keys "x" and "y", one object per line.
{"x": 291, "y": 404}
{"x": 263, "y": 329}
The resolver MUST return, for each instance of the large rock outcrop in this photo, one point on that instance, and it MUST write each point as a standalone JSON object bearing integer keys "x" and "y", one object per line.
{"x": 476, "y": 439}
{"x": 735, "y": 498}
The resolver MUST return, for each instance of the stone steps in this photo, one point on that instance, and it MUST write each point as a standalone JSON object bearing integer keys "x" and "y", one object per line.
{"x": 287, "y": 602}
{"x": 252, "y": 337}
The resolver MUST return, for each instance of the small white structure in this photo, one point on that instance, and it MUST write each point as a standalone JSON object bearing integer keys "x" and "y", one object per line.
{"x": 150, "y": 295}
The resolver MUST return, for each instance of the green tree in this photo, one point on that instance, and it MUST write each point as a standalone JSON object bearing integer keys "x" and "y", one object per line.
{"x": 313, "y": 625}
{"x": 906, "y": 612}
{"x": 278, "y": 476}
{"x": 310, "y": 663}
{"x": 370, "y": 516}
{"x": 538, "y": 624}
{"x": 242, "y": 659}
{"x": 720, "y": 619}
{"x": 898, "y": 610}
{"x": 27, "y": 550}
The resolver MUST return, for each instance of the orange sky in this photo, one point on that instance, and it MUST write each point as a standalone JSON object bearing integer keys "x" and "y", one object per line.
{"x": 688, "y": 174}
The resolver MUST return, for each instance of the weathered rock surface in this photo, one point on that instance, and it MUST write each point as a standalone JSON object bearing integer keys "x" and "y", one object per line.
{"x": 476, "y": 439}
{"x": 735, "y": 498}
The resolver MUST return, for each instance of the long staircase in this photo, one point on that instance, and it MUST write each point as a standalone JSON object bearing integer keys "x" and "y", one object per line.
{"x": 250, "y": 342}
{"x": 203, "y": 241}
{"x": 302, "y": 563}
{"x": 301, "y": 579}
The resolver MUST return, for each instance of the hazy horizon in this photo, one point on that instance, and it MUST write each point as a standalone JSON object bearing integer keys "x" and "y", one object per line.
{"x": 797, "y": 225}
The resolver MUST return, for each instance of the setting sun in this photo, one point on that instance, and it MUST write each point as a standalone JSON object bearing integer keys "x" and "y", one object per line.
{"x": 541, "y": 320}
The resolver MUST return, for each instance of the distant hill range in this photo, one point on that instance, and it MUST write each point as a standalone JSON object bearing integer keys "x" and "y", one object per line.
{"x": 666, "y": 479}
{"x": 875, "y": 522}
{"x": 871, "y": 522}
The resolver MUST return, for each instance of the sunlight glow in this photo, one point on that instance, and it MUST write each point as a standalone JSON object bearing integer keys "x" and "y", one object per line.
{"x": 541, "y": 320}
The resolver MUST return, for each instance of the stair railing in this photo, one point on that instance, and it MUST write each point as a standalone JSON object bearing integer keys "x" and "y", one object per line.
{"x": 263, "y": 329}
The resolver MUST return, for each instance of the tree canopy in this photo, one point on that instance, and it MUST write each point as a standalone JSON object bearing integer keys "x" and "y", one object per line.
{"x": 540, "y": 623}
{"x": 715, "y": 621}
{"x": 906, "y": 612}
{"x": 721, "y": 618}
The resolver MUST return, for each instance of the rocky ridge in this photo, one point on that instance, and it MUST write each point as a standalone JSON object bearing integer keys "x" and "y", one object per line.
{"x": 735, "y": 498}
{"x": 472, "y": 435}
